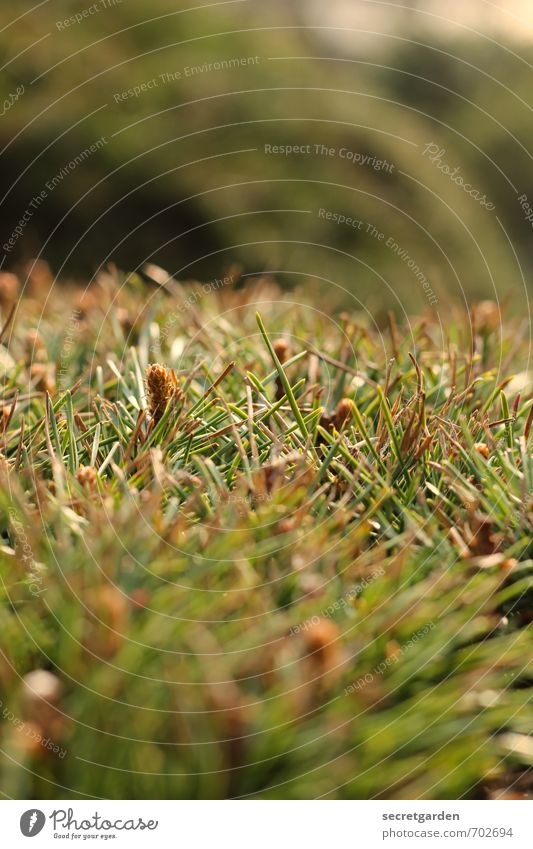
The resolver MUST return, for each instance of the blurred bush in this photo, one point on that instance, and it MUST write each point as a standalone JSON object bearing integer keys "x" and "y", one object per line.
{"x": 183, "y": 179}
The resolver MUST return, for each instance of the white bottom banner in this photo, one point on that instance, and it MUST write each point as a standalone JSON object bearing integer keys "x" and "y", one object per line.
{"x": 267, "y": 824}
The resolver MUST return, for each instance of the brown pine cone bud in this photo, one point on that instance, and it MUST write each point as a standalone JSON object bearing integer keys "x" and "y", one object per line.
{"x": 9, "y": 289}
{"x": 281, "y": 349}
{"x": 5, "y": 413}
{"x": 160, "y": 389}
{"x": 322, "y": 643}
{"x": 487, "y": 316}
{"x": 343, "y": 412}
{"x": 86, "y": 476}
{"x": 39, "y": 278}
{"x": 35, "y": 346}
{"x": 41, "y": 377}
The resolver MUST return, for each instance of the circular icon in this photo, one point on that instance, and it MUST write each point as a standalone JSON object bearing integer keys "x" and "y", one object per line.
{"x": 32, "y": 822}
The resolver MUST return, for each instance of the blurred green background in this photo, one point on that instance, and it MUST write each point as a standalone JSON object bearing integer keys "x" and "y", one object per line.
{"x": 183, "y": 179}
